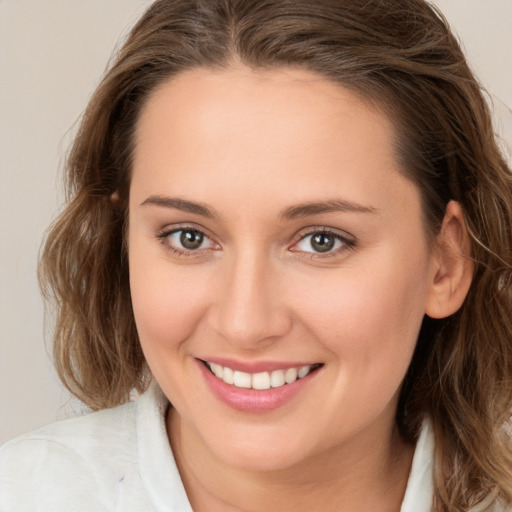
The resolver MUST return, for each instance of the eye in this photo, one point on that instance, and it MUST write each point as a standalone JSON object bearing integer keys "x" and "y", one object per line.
{"x": 185, "y": 240}
{"x": 322, "y": 242}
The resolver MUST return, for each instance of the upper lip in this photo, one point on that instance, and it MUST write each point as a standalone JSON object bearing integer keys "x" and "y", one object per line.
{"x": 257, "y": 366}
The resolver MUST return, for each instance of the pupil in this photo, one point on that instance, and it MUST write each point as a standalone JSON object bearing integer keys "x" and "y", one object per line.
{"x": 322, "y": 242}
{"x": 191, "y": 239}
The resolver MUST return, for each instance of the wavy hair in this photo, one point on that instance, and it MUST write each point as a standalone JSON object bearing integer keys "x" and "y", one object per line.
{"x": 399, "y": 54}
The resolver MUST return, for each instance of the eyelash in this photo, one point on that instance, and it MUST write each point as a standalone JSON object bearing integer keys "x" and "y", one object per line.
{"x": 164, "y": 240}
{"x": 347, "y": 243}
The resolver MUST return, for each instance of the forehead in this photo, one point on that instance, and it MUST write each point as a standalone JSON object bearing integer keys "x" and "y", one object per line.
{"x": 289, "y": 98}
{"x": 208, "y": 130}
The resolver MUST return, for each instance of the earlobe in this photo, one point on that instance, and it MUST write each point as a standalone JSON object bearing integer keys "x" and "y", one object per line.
{"x": 452, "y": 266}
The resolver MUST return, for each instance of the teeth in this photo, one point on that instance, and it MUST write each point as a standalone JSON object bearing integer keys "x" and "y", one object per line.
{"x": 290, "y": 375}
{"x": 242, "y": 380}
{"x": 277, "y": 378}
{"x": 228, "y": 375}
{"x": 303, "y": 371}
{"x": 259, "y": 381}
{"x": 218, "y": 370}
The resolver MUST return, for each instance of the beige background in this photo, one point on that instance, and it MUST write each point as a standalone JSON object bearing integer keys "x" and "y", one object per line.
{"x": 52, "y": 54}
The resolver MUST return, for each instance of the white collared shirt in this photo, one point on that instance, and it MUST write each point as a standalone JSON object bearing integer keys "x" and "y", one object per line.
{"x": 119, "y": 460}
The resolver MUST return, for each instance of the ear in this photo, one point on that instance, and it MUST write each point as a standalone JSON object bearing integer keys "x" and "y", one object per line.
{"x": 452, "y": 266}
{"x": 114, "y": 198}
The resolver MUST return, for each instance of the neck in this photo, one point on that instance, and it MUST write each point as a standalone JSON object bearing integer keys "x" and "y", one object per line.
{"x": 369, "y": 474}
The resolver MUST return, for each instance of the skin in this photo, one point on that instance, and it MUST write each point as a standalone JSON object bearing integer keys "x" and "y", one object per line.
{"x": 250, "y": 145}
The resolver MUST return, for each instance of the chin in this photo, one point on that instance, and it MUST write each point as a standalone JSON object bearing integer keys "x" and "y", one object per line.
{"x": 263, "y": 452}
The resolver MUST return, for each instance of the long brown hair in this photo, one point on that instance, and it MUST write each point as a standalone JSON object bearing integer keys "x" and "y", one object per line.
{"x": 399, "y": 54}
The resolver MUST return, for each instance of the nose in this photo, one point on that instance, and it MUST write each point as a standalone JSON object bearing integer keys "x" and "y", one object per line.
{"x": 248, "y": 309}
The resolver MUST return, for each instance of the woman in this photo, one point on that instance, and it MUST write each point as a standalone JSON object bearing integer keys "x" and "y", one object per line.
{"x": 291, "y": 221}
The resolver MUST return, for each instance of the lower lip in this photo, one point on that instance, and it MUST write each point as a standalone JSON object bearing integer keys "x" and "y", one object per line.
{"x": 253, "y": 400}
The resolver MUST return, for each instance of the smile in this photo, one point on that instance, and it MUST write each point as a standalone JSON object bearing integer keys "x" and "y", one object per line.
{"x": 261, "y": 380}
{"x": 257, "y": 387}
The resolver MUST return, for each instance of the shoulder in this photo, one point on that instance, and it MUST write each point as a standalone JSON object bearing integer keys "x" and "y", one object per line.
{"x": 420, "y": 486}
{"x": 89, "y": 436}
{"x": 74, "y": 463}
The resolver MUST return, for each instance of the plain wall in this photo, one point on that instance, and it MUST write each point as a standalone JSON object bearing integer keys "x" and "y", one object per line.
{"x": 52, "y": 54}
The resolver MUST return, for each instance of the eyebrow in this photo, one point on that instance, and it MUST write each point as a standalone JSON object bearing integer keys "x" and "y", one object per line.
{"x": 293, "y": 212}
{"x": 333, "y": 205}
{"x": 180, "y": 204}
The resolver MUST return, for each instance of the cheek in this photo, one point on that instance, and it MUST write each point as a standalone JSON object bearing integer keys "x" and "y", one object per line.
{"x": 167, "y": 301}
{"x": 369, "y": 315}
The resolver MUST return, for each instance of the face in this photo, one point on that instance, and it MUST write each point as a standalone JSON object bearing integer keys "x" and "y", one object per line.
{"x": 278, "y": 263}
